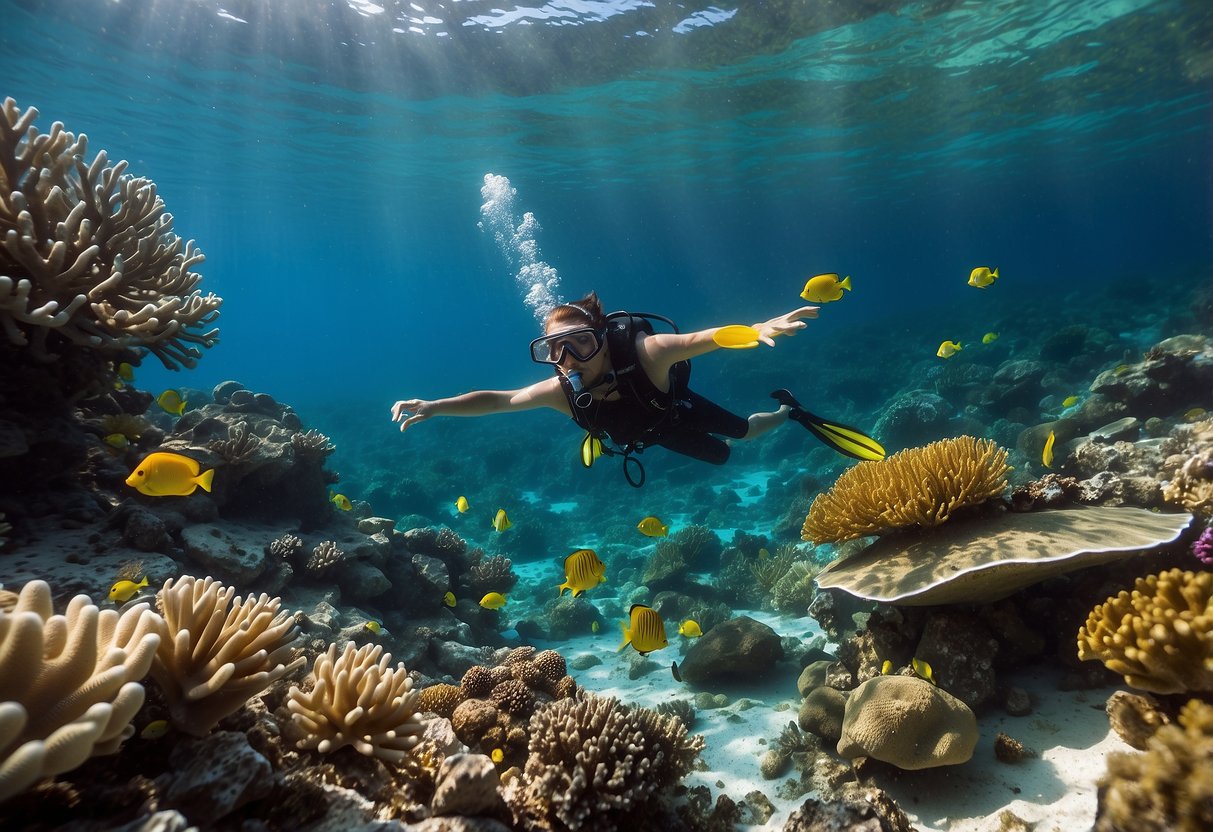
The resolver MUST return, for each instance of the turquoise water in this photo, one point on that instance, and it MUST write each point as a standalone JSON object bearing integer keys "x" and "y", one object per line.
{"x": 695, "y": 160}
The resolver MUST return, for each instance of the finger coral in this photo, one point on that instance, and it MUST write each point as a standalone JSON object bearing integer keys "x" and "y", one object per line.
{"x": 218, "y": 651}
{"x": 596, "y": 764}
{"x": 1169, "y": 788}
{"x": 358, "y": 699}
{"x": 88, "y": 254}
{"x": 919, "y": 487}
{"x": 69, "y": 684}
{"x": 1159, "y": 636}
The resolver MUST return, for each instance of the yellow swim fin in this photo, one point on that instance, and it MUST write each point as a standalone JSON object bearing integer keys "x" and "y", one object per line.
{"x": 843, "y": 438}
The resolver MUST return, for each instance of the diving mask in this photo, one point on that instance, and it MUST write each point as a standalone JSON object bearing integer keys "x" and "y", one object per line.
{"x": 582, "y": 344}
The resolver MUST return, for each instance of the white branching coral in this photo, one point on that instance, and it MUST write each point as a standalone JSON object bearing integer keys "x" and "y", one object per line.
{"x": 69, "y": 684}
{"x": 216, "y": 653}
{"x": 88, "y": 252}
{"x": 358, "y": 699}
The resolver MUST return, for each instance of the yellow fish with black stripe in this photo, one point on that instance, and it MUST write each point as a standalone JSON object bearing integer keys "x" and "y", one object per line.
{"x": 647, "y": 630}
{"x": 582, "y": 570}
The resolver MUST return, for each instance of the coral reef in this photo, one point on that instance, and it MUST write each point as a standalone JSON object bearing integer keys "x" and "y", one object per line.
{"x": 794, "y": 590}
{"x": 907, "y": 722}
{"x": 69, "y": 684}
{"x": 1192, "y": 485}
{"x": 596, "y": 764}
{"x": 1169, "y": 788}
{"x": 89, "y": 256}
{"x": 1202, "y": 547}
{"x": 357, "y": 699}
{"x": 494, "y": 574}
{"x": 1159, "y": 636}
{"x": 917, "y": 487}
{"x": 217, "y": 651}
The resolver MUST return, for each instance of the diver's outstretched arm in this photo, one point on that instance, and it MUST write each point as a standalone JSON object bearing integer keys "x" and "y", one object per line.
{"x": 665, "y": 349}
{"x": 546, "y": 393}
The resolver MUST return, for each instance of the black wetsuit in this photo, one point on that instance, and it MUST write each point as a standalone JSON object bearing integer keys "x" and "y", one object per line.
{"x": 678, "y": 419}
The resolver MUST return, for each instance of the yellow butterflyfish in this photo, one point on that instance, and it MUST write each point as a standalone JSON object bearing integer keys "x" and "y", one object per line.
{"x": 1047, "y": 455}
{"x": 497, "y": 755}
{"x": 154, "y": 730}
{"x": 982, "y": 276}
{"x": 582, "y": 570}
{"x": 948, "y": 349}
{"x": 591, "y": 449}
{"x": 449, "y": 598}
{"x": 887, "y": 667}
{"x": 989, "y": 338}
{"x": 647, "y": 630}
{"x": 653, "y": 527}
{"x": 165, "y": 474}
{"x": 170, "y": 401}
{"x": 500, "y": 521}
{"x": 124, "y": 590}
{"x": 493, "y": 601}
{"x": 375, "y": 627}
{"x": 341, "y": 501}
{"x": 825, "y": 288}
{"x": 689, "y": 629}
{"x": 1070, "y": 401}
{"x": 117, "y": 441}
{"x": 126, "y": 372}
{"x": 923, "y": 670}
{"x": 462, "y": 505}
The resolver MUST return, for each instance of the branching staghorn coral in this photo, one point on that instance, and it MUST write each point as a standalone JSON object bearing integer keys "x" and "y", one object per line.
{"x": 596, "y": 764}
{"x": 358, "y": 699}
{"x": 915, "y": 487}
{"x": 286, "y": 546}
{"x": 241, "y": 443}
{"x": 312, "y": 445}
{"x": 495, "y": 574}
{"x": 323, "y": 556}
{"x": 69, "y": 684}
{"x": 1159, "y": 636}
{"x": 88, "y": 252}
{"x": 218, "y": 651}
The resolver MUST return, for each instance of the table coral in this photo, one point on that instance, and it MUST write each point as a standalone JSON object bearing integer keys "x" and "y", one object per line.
{"x": 917, "y": 487}
{"x": 1159, "y": 636}
{"x": 88, "y": 254}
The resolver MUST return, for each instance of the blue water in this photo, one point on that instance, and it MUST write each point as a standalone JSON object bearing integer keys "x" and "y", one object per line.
{"x": 695, "y": 160}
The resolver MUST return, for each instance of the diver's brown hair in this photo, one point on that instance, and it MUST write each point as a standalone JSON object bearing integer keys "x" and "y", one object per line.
{"x": 586, "y": 311}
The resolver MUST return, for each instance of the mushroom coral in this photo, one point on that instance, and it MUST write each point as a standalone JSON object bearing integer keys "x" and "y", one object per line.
{"x": 1159, "y": 636}
{"x": 917, "y": 487}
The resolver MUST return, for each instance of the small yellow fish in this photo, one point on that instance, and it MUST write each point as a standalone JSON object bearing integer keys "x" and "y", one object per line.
{"x": 763, "y": 554}
{"x": 126, "y": 372}
{"x": 923, "y": 670}
{"x": 825, "y": 288}
{"x": 594, "y": 627}
{"x": 1195, "y": 414}
{"x": 375, "y": 627}
{"x": 689, "y": 629}
{"x": 462, "y": 505}
{"x": 155, "y": 729}
{"x": 1121, "y": 369}
{"x": 582, "y": 570}
{"x": 497, "y": 755}
{"x": 117, "y": 440}
{"x": 500, "y": 521}
{"x": 449, "y": 599}
{"x": 736, "y": 337}
{"x": 169, "y": 475}
{"x": 982, "y": 276}
{"x": 1046, "y": 456}
{"x": 341, "y": 501}
{"x": 171, "y": 402}
{"x": 948, "y": 349}
{"x": 647, "y": 632}
{"x": 1070, "y": 401}
{"x": 887, "y": 667}
{"x": 124, "y": 590}
{"x": 653, "y": 527}
{"x": 591, "y": 449}
{"x": 493, "y": 601}
{"x": 989, "y": 338}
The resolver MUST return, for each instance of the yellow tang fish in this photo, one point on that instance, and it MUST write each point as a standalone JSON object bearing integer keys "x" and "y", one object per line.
{"x": 824, "y": 288}
{"x": 690, "y": 629}
{"x": 1195, "y": 414}
{"x": 1047, "y": 455}
{"x": 887, "y": 667}
{"x": 124, "y": 590}
{"x": 982, "y": 276}
{"x": 500, "y": 521}
{"x": 591, "y": 449}
{"x": 1070, "y": 401}
{"x": 171, "y": 402}
{"x": 493, "y": 601}
{"x": 169, "y": 475}
{"x": 593, "y": 626}
{"x": 989, "y": 338}
{"x": 449, "y": 599}
{"x": 923, "y": 670}
{"x": 736, "y": 337}
{"x": 375, "y": 627}
{"x": 462, "y": 505}
{"x": 126, "y": 372}
{"x": 948, "y": 349}
{"x": 653, "y": 527}
{"x": 117, "y": 440}
{"x": 341, "y": 501}
{"x": 497, "y": 756}
{"x": 155, "y": 729}
{"x": 647, "y": 632}
{"x": 582, "y": 570}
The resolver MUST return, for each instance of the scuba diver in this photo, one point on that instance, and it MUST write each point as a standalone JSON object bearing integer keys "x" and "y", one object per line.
{"x": 625, "y": 384}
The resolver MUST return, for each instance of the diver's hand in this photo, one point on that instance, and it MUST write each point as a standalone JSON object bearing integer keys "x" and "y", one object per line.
{"x": 420, "y": 408}
{"x": 786, "y": 324}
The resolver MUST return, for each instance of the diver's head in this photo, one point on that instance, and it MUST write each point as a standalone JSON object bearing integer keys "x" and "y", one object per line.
{"x": 575, "y": 339}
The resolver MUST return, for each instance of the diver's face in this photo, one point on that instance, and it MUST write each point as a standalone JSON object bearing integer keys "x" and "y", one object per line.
{"x": 579, "y": 342}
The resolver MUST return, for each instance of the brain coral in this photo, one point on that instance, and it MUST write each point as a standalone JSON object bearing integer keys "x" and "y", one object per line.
{"x": 915, "y": 487}
{"x": 1169, "y": 788}
{"x": 1159, "y": 636}
{"x": 88, "y": 254}
{"x": 908, "y": 722}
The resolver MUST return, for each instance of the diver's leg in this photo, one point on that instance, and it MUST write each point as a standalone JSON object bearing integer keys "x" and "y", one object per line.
{"x": 760, "y": 423}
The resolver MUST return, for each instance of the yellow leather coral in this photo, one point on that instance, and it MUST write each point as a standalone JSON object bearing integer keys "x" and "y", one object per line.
{"x": 915, "y": 487}
{"x": 1159, "y": 636}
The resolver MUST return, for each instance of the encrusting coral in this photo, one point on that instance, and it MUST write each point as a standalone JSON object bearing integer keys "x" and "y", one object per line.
{"x": 69, "y": 684}
{"x": 1169, "y": 788}
{"x": 908, "y": 722}
{"x": 1159, "y": 636}
{"x": 919, "y": 487}
{"x": 596, "y": 764}
{"x": 358, "y": 699}
{"x": 217, "y": 651}
{"x": 88, "y": 253}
